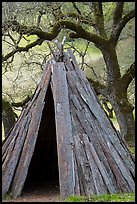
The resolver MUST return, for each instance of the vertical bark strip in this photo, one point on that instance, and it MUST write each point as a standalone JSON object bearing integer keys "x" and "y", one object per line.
{"x": 92, "y": 158}
{"x": 64, "y": 130}
{"x": 22, "y": 140}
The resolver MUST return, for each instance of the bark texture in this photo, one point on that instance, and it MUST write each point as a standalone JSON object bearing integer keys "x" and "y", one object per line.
{"x": 92, "y": 158}
{"x": 8, "y": 117}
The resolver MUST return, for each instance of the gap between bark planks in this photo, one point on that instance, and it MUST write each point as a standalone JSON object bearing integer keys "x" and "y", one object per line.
{"x": 10, "y": 148}
{"x": 87, "y": 111}
{"x": 28, "y": 150}
{"x": 122, "y": 174}
{"x": 83, "y": 163}
{"x": 16, "y": 154}
{"x": 8, "y": 139}
{"x": 12, "y": 159}
{"x": 100, "y": 186}
{"x": 110, "y": 135}
{"x": 107, "y": 177}
{"x": 83, "y": 113}
{"x": 67, "y": 62}
{"x": 95, "y": 159}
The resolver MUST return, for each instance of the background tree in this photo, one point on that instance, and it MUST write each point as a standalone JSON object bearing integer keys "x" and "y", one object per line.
{"x": 8, "y": 116}
{"x": 79, "y": 20}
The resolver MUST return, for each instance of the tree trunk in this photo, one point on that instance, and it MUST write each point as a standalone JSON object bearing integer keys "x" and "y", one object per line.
{"x": 117, "y": 94}
{"x": 124, "y": 114}
{"x": 8, "y": 116}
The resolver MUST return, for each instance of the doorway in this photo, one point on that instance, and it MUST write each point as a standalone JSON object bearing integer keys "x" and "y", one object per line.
{"x": 43, "y": 169}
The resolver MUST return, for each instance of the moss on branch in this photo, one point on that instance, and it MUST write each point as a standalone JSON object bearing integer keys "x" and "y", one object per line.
{"x": 116, "y": 31}
{"x": 99, "y": 88}
{"x": 20, "y": 49}
{"x": 128, "y": 77}
{"x": 78, "y": 32}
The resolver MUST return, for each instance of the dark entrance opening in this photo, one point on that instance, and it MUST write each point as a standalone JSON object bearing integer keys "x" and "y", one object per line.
{"x": 43, "y": 169}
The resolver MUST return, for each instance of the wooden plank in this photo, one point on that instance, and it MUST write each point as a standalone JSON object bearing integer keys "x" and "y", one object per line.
{"x": 84, "y": 172}
{"x": 108, "y": 132}
{"x": 77, "y": 181}
{"x": 121, "y": 173}
{"x": 29, "y": 145}
{"x": 98, "y": 140}
{"x": 26, "y": 155}
{"x": 105, "y": 175}
{"x": 81, "y": 112}
{"x": 13, "y": 133}
{"x": 10, "y": 161}
{"x": 63, "y": 130}
{"x": 103, "y": 171}
{"x": 104, "y": 121}
{"x": 67, "y": 62}
{"x": 9, "y": 165}
{"x": 97, "y": 177}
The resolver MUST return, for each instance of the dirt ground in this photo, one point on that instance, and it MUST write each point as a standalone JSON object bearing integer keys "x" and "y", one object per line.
{"x": 39, "y": 193}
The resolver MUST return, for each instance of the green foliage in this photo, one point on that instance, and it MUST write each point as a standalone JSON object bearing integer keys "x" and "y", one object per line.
{"x": 7, "y": 197}
{"x": 119, "y": 197}
{"x": 108, "y": 8}
{"x": 132, "y": 150}
{"x": 128, "y": 6}
{"x": 76, "y": 199}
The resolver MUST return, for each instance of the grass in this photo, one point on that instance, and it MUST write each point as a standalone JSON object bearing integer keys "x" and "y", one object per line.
{"x": 119, "y": 197}
{"x": 7, "y": 197}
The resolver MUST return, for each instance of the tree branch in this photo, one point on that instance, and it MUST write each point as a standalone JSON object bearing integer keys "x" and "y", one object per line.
{"x": 41, "y": 13}
{"x": 82, "y": 19}
{"x": 33, "y": 30}
{"x": 128, "y": 76}
{"x": 99, "y": 88}
{"x": 20, "y": 49}
{"x": 99, "y": 18}
{"x": 82, "y": 33}
{"x": 77, "y": 9}
{"x": 116, "y": 31}
{"x": 62, "y": 24}
{"x": 23, "y": 102}
{"x": 118, "y": 12}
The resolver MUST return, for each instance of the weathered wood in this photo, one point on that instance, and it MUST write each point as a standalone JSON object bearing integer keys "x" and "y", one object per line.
{"x": 9, "y": 151}
{"x": 121, "y": 146}
{"x": 83, "y": 164}
{"x": 32, "y": 134}
{"x": 78, "y": 131}
{"x": 98, "y": 149}
{"x": 10, "y": 163}
{"x": 63, "y": 129}
{"x": 10, "y": 137}
{"x": 77, "y": 182}
{"x": 67, "y": 63}
{"x": 77, "y": 90}
{"x": 92, "y": 158}
{"x": 110, "y": 134}
{"x": 121, "y": 173}
{"x": 26, "y": 155}
{"x": 98, "y": 180}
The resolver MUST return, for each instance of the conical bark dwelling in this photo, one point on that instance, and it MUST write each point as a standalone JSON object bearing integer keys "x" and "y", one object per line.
{"x": 91, "y": 157}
